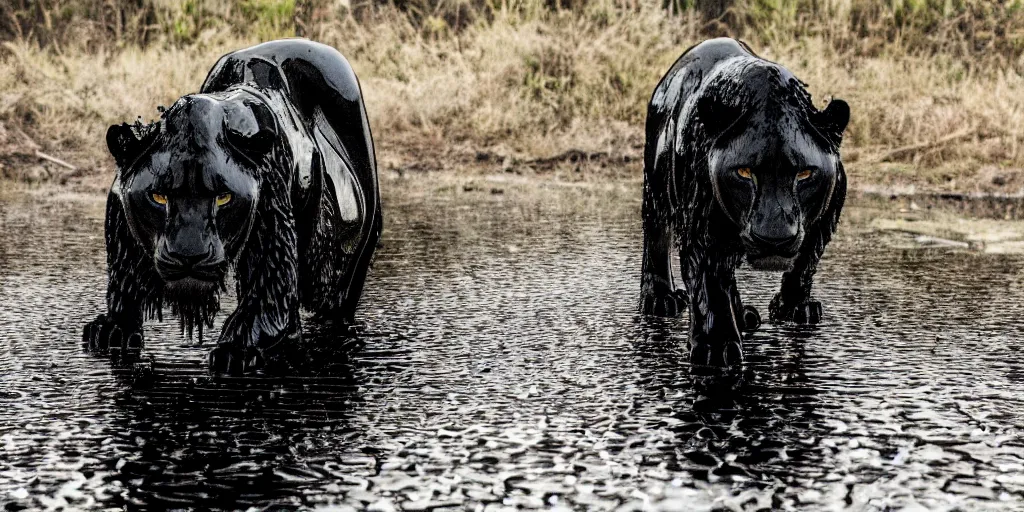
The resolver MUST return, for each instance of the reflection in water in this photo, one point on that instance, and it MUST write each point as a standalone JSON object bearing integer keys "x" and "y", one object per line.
{"x": 502, "y": 364}
{"x": 230, "y": 440}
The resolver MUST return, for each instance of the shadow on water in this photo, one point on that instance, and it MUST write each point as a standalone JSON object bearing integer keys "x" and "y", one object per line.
{"x": 503, "y": 366}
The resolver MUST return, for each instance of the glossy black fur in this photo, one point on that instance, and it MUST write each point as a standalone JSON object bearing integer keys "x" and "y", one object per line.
{"x": 718, "y": 109}
{"x": 281, "y": 127}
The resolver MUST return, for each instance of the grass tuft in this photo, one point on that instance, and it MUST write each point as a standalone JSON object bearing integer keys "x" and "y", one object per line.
{"x": 936, "y": 86}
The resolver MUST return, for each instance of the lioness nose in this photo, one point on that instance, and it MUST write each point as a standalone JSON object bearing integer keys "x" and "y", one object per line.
{"x": 188, "y": 260}
{"x": 773, "y": 241}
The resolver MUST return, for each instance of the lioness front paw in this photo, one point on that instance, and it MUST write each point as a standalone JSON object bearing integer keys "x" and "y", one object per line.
{"x": 105, "y": 336}
{"x": 230, "y": 359}
{"x": 238, "y": 357}
{"x": 668, "y": 303}
{"x": 808, "y": 312}
{"x": 706, "y": 357}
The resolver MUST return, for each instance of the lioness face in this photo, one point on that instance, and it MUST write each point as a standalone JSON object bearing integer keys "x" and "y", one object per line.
{"x": 190, "y": 196}
{"x": 774, "y": 178}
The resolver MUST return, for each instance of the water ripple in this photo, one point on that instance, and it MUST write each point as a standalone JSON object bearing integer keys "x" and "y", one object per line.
{"x": 502, "y": 366}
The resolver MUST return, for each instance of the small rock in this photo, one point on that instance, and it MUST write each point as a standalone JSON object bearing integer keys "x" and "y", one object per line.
{"x": 35, "y": 174}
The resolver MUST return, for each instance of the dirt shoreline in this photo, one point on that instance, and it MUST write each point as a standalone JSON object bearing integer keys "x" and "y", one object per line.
{"x": 973, "y": 222}
{"x": 493, "y": 171}
{"x": 991, "y": 189}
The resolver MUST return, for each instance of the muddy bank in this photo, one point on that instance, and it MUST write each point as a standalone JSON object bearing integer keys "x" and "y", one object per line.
{"x": 986, "y": 192}
{"x": 965, "y": 222}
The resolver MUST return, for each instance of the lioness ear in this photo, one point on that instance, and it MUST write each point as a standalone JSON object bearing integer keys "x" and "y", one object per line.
{"x": 833, "y": 120}
{"x": 123, "y": 144}
{"x": 716, "y": 116}
{"x": 251, "y": 128}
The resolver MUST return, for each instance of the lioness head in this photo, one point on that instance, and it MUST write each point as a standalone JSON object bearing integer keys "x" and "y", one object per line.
{"x": 189, "y": 185}
{"x": 774, "y": 161}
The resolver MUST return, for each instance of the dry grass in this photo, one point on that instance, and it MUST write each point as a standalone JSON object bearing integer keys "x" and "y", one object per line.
{"x": 523, "y": 84}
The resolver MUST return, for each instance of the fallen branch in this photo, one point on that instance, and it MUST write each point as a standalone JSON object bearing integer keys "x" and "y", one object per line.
{"x": 55, "y": 160}
{"x": 913, "y": 148}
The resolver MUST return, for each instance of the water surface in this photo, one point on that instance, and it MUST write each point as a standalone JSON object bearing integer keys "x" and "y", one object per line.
{"x": 502, "y": 366}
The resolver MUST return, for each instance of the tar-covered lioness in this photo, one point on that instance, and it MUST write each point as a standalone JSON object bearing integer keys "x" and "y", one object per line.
{"x": 738, "y": 164}
{"x": 269, "y": 170}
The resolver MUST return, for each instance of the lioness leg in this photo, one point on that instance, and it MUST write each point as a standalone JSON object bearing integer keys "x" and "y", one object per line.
{"x": 337, "y": 260}
{"x": 747, "y": 317}
{"x": 351, "y": 285}
{"x": 793, "y": 302}
{"x": 714, "y": 335}
{"x": 658, "y": 293}
{"x": 360, "y": 244}
{"x": 131, "y": 281}
{"x": 268, "y": 298}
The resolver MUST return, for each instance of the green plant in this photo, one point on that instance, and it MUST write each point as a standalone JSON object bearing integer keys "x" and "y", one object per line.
{"x": 269, "y": 19}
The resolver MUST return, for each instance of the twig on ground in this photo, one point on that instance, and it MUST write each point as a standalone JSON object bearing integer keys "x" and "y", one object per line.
{"x": 888, "y": 156}
{"x": 55, "y": 160}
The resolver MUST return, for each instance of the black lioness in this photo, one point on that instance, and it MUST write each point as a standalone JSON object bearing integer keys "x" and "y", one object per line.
{"x": 268, "y": 170}
{"x": 738, "y": 164}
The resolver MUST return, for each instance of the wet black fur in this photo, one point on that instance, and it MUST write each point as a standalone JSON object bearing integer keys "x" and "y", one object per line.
{"x": 299, "y": 249}
{"x": 679, "y": 203}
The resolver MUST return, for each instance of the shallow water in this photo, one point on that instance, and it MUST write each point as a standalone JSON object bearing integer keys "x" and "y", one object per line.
{"x": 503, "y": 366}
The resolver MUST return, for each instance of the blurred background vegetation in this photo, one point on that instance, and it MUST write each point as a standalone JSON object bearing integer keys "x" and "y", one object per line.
{"x": 936, "y": 86}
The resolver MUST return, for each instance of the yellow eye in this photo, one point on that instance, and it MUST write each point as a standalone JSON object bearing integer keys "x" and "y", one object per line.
{"x": 223, "y": 199}
{"x": 745, "y": 173}
{"x": 804, "y": 174}
{"x": 160, "y": 199}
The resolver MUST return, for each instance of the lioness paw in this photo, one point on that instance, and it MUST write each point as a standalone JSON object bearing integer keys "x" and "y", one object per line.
{"x": 706, "y": 357}
{"x": 230, "y": 359}
{"x": 104, "y": 336}
{"x": 238, "y": 356}
{"x": 806, "y": 313}
{"x": 668, "y": 304}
